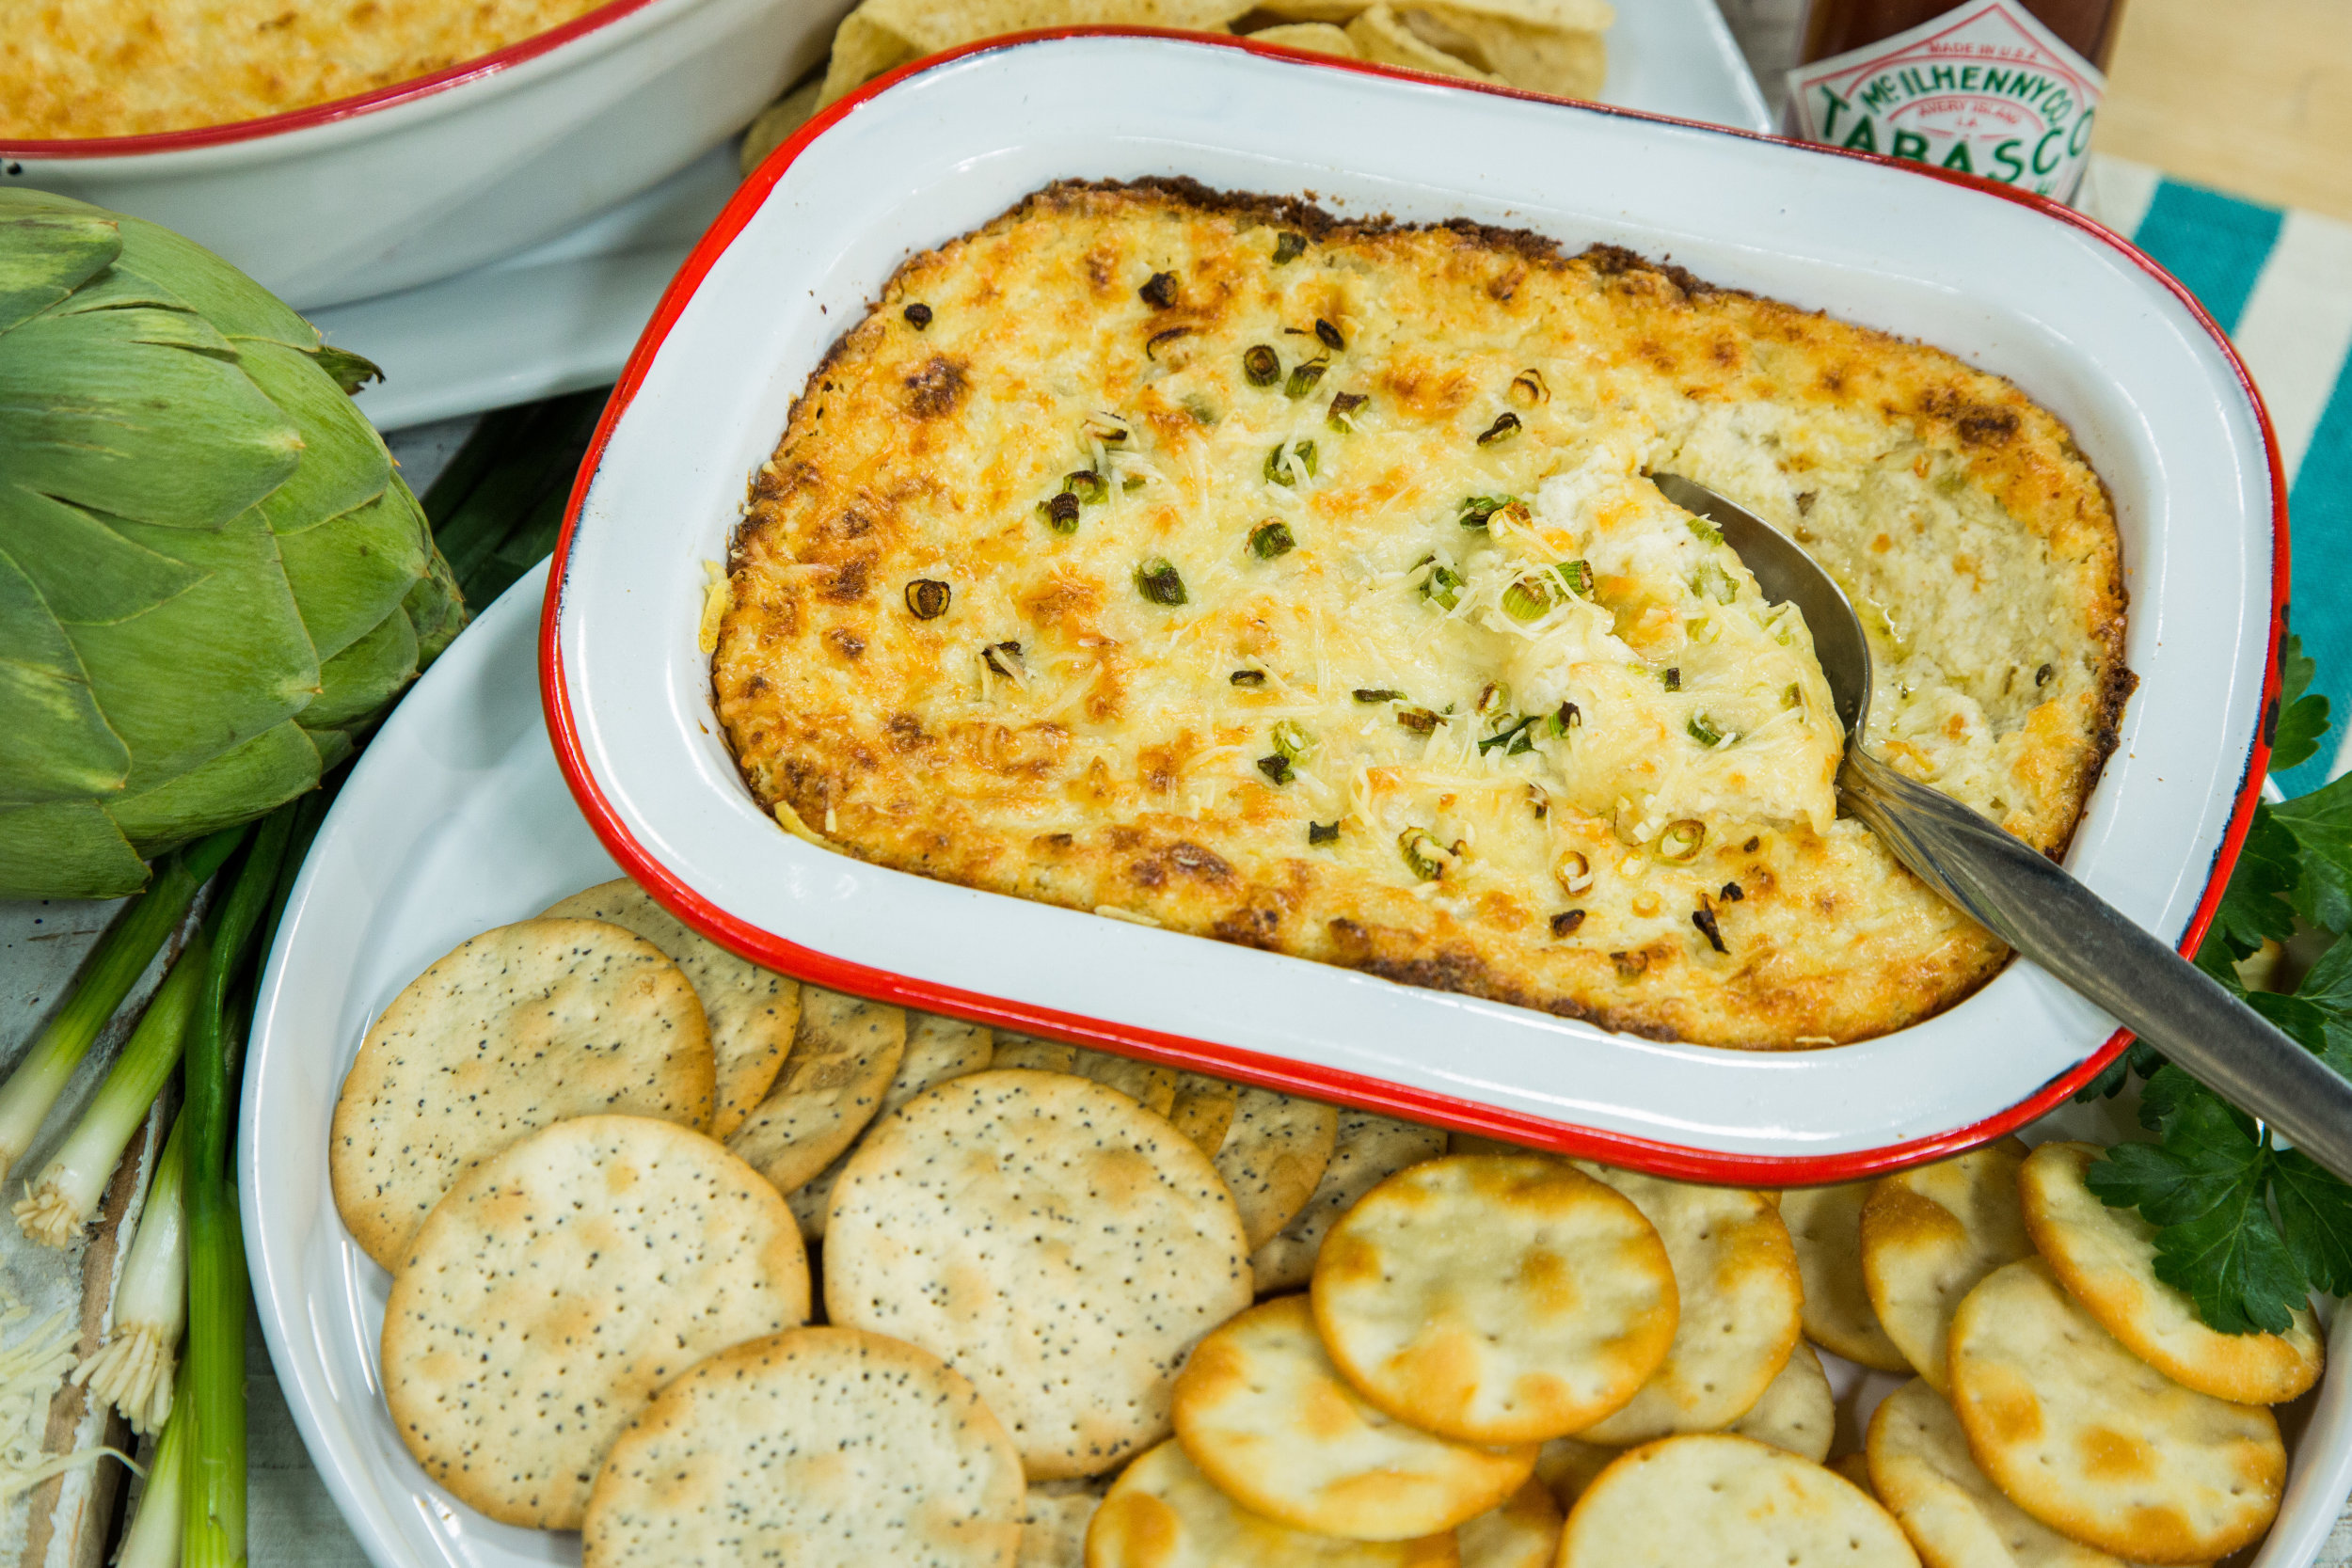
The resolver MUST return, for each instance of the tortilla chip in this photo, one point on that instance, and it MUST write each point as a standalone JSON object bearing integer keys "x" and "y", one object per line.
{"x": 1319, "y": 37}
{"x": 885, "y": 33}
{"x": 1380, "y": 35}
{"x": 862, "y": 49}
{"x": 1566, "y": 63}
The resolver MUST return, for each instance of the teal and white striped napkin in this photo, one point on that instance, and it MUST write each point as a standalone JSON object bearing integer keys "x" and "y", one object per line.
{"x": 2280, "y": 283}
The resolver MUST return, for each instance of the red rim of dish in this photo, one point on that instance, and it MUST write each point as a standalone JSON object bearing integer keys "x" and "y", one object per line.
{"x": 1666, "y": 1159}
{"x": 334, "y": 109}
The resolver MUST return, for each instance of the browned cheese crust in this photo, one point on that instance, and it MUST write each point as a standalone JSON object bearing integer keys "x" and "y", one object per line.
{"x": 1127, "y": 754}
{"x": 124, "y": 68}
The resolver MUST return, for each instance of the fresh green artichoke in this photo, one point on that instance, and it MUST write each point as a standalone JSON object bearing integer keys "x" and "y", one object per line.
{"x": 210, "y": 578}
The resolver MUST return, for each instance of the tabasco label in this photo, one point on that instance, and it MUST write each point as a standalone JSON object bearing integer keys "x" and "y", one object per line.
{"x": 1983, "y": 88}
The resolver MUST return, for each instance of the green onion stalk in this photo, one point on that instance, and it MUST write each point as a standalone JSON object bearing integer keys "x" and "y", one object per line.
{"x": 114, "y": 967}
{"x": 133, "y": 1371}
{"x": 214, "y": 1523}
{"x": 55, "y": 1208}
{"x": 153, "y": 1539}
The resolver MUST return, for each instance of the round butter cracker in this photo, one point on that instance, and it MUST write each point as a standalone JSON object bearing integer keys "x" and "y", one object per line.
{"x": 1928, "y": 1235}
{"x": 1273, "y": 1157}
{"x": 1163, "y": 1512}
{"x": 1523, "y": 1532}
{"x": 1203, "y": 1110}
{"x": 855, "y": 1448}
{"x": 511, "y": 1030}
{"x": 1263, "y": 1414}
{"x": 1050, "y": 1239}
{"x": 1735, "y": 1271}
{"x": 1495, "y": 1298}
{"x": 1825, "y": 1223}
{"x": 1727, "y": 1502}
{"x": 752, "y": 1012}
{"x": 1798, "y": 1413}
{"x": 2106, "y": 1260}
{"x": 1919, "y": 1465}
{"x": 2095, "y": 1443}
{"x": 1366, "y": 1151}
{"x": 1054, "y": 1520}
{"x": 563, "y": 1281}
{"x": 938, "y": 1049}
{"x": 845, "y": 1053}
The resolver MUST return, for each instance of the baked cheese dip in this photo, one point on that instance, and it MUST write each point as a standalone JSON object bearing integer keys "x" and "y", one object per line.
{"x": 1203, "y": 561}
{"x": 124, "y": 68}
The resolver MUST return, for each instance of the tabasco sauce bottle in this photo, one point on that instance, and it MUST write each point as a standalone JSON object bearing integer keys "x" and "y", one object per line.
{"x": 2001, "y": 88}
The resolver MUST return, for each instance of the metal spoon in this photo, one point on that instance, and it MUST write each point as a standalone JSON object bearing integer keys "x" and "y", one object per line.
{"x": 2024, "y": 897}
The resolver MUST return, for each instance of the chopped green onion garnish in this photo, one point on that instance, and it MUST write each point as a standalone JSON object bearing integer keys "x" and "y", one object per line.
{"x": 1289, "y": 247}
{"x": 1528, "y": 599}
{"x": 1577, "y": 575}
{"x": 1344, "y": 406}
{"x": 1514, "y": 734}
{"x": 1157, "y": 580}
{"x": 1706, "y": 532}
{"x": 1303, "y": 378}
{"x": 1492, "y": 697}
{"x": 1476, "y": 510}
{"x": 1712, "y": 581}
{"x": 1506, "y": 426}
{"x": 1292, "y": 739}
{"x": 1287, "y": 458}
{"x": 1330, "y": 336}
{"x": 1377, "y": 695}
{"x": 1203, "y": 411}
{"x": 1276, "y": 767}
{"x": 1702, "y": 729}
{"x": 1567, "y": 717}
{"x": 1060, "y": 512}
{"x": 1423, "y": 853}
{"x": 1151, "y": 345}
{"x": 1443, "y": 585}
{"x": 1248, "y": 677}
{"x": 1322, "y": 832}
{"x": 1419, "y": 719}
{"x": 1682, "y": 840}
{"x": 1132, "y": 482}
{"x": 1793, "y": 697}
{"x": 1262, "y": 365}
{"x": 1087, "y": 485}
{"x": 1159, "y": 292}
{"x": 1272, "y": 538}
{"x": 1673, "y": 678}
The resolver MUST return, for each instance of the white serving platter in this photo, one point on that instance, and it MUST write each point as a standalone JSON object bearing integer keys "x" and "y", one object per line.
{"x": 454, "y": 820}
{"x": 2082, "y": 322}
{"x": 564, "y": 315}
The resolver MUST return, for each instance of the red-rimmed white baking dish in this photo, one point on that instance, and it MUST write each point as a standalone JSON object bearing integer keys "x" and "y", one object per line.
{"x": 427, "y": 178}
{"x": 2080, "y": 319}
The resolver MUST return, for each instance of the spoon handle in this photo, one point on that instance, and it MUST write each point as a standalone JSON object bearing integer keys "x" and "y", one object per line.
{"x": 2028, "y": 901}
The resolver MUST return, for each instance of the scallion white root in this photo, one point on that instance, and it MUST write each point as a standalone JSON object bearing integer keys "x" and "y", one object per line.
{"x": 134, "y": 1370}
{"x": 55, "y": 1209}
{"x": 31, "y": 1371}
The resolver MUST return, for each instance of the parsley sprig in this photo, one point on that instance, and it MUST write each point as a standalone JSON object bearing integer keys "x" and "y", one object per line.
{"x": 2246, "y": 1228}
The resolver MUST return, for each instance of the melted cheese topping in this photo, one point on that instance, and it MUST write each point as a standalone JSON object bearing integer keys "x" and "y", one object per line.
{"x": 1318, "y": 601}
{"x": 120, "y": 67}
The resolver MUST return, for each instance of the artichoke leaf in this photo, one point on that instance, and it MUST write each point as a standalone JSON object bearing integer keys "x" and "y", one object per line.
{"x": 343, "y": 465}
{"x": 348, "y": 370}
{"x": 351, "y": 572}
{"x": 210, "y": 287}
{"x": 66, "y": 850}
{"x": 358, "y": 682}
{"x": 267, "y": 771}
{"x": 213, "y": 667}
{"x": 437, "y": 609}
{"x": 58, "y": 744}
{"x": 45, "y": 256}
{"x": 86, "y": 570}
{"x": 110, "y": 410}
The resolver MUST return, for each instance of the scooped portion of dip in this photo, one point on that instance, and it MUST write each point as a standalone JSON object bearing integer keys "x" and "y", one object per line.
{"x": 1199, "y": 560}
